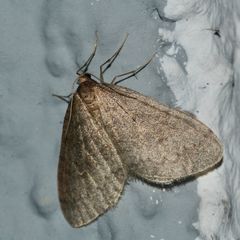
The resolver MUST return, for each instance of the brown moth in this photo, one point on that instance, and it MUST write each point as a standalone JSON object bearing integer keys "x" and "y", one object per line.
{"x": 111, "y": 133}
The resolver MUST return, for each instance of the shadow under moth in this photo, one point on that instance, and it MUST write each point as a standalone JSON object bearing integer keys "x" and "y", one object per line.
{"x": 111, "y": 133}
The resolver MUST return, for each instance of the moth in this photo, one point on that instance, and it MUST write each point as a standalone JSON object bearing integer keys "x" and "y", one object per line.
{"x": 111, "y": 133}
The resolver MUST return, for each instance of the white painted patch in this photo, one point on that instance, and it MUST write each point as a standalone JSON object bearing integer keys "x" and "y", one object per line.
{"x": 203, "y": 85}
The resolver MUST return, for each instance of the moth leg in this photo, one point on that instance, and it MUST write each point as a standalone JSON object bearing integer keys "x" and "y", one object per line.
{"x": 130, "y": 73}
{"x": 111, "y": 60}
{"x": 85, "y": 66}
{"x": 64, "y": 98}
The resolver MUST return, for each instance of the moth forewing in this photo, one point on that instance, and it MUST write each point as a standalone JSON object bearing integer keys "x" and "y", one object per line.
{"x": 91, "y": 175}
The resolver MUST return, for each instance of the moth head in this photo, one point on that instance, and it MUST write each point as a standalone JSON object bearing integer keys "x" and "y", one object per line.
{"x": 83, "y": 78}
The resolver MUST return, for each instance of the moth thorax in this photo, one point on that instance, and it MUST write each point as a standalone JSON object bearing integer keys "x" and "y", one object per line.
{"x": 83, "y": 78}
{"x": 87, "y": 94}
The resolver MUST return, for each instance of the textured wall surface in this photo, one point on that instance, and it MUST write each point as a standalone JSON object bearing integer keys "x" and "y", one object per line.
{"x": 197, "y": 68}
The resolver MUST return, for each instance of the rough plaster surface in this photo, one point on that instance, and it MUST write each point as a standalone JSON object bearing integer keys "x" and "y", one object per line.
{"x": 43, "y": 42}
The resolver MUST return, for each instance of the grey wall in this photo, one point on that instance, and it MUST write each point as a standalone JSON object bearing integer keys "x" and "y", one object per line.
{"x": 41, "y": 46}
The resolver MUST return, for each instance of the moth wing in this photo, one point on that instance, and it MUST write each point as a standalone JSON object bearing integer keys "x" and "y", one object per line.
{"x": 159, "y": 144}
{"x": 91, "y": 175}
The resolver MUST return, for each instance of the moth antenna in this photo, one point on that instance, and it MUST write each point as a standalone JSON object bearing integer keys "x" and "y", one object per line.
{"x": 131, "y": 73}
{"x": 111, "y": 60}
{"x": 85, "y": 66}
